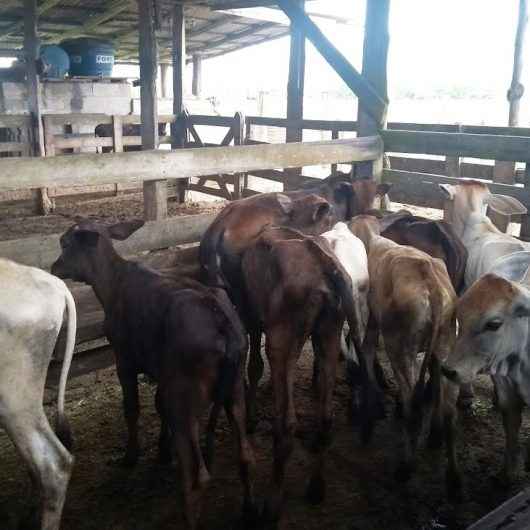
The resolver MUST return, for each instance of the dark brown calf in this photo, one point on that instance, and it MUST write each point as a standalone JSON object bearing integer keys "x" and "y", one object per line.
{"x": 296, "y": 289}
{"x": 434, "y": 237}
{"x": 183, "y": 335}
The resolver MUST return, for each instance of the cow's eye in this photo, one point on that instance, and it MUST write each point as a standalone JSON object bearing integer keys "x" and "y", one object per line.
{"x": 493, "y": 325}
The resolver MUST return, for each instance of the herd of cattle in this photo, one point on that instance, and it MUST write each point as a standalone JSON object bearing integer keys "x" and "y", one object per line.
{"x": 450, "y": 299}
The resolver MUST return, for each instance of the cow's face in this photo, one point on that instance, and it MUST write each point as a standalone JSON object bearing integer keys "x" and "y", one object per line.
{"x": 86, "y": 245}
{"x": 472, "y": 197}
{"x": 492, "y": 329}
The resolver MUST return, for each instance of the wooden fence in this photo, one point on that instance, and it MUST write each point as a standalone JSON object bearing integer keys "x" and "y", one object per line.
{"x": 75, "y": 134}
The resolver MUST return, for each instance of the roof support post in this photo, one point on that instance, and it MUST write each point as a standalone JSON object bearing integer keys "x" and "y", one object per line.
{"x": 32, "y": 50}
{"x": 155, "y": 192}
{"x": 295, "y": 97}
{"x": 375, "y": 53}
{"x": 196, "y": 86}
{"x": 505, "y": 171}
{"x": 374, "y": 103}
{"x": 178, "y": 128}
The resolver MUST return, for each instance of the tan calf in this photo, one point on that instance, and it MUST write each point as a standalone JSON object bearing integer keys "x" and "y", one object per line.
{"x": 412, "y": 302}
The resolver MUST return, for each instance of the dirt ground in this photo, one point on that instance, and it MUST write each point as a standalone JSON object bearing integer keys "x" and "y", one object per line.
{"x": 361, "y": 495}
{"x": 110, "y": 209}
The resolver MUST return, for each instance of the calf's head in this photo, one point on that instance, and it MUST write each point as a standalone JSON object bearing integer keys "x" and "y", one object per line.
{"x": 311, "y": 214}
{"x": 492, "y": 329}
{"x": 86, "y": 246}
{"x": 472, "y": 198}
{"x": 351, "y": 197}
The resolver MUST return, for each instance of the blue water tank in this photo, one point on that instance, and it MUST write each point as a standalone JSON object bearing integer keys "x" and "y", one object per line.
{"x": 55, "y": 61}
{"x": 90, "y": 57}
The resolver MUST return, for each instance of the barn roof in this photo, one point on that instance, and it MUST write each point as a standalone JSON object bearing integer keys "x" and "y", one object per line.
{"x": 213, "y": 27}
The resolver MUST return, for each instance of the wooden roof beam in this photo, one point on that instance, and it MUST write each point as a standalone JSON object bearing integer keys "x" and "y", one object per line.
{"x": 372, "y": 102}
{"x": 113, "y": 9}
{"x": 45, "y": 6}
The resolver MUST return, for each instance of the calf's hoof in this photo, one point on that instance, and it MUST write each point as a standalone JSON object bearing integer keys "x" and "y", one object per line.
{"x": 315, "y": 492}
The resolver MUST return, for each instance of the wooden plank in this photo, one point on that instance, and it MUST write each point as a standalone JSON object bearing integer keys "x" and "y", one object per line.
{"x": 97, "y": 169}
{"x": 178, "y": 51}
{"x": 155, "y": 193}
{"x": 13, "y": 147}
{"x": 117, "y": 139}
{"x": 334, "y": 136}
{"x": 421, "y": 189}
{"x": 12, "y": 121}
{"x": 216, "y": 121}
{"x": 515, "y": 148}
{"x": 374, "y": 103}
{"x": 81, "y": 141}
{"x": 83, "y": 364}
{"x": 42, "y": 251}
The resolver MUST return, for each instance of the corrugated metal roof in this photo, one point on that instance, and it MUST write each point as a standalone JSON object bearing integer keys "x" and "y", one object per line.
{"x": 210, "y": 30}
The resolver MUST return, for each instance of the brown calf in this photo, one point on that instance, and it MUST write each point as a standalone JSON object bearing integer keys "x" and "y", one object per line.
{"x": 297, "y": 288}
{"x": 183, "y": 335}
{"x": 413, "y": 304}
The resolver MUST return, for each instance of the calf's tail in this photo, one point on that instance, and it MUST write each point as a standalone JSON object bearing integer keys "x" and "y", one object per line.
{"x": 62, "y": 427}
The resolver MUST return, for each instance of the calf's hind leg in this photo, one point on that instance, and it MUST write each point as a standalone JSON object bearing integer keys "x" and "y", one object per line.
{"x": 327, "y": 342}
{"x": 131, "y": 409}
{"x": 50, "y": 464}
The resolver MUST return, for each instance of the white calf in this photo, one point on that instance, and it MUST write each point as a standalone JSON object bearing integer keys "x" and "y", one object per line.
{"x": 32, "y": 305}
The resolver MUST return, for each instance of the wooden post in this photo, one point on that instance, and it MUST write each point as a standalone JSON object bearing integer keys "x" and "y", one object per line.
{"x": 295, "y": 97}
{"x": 334, "y": 136}
{"x": 32, "y": 49}
{"x": 117, "y": 138}
{"x": 155, "y": 193}
{"x": 505, "y": 171}
{"x": 196, "y": 85}
{"x": 239, "y": 139}
{"x": 375, "y": 52}
{"x": 178, "y": 128}
{"x": 164, "y": 80}
{"x": 452, "y": 163}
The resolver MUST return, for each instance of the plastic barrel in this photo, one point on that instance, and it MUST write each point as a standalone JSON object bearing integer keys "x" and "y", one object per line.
{"x": 90, "y": 57}
{"x": 55, "y": 61}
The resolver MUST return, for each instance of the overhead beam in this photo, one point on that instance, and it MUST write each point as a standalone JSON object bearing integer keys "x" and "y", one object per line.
{"x": 42, "y": 8}
{"x": 155, "y": 193}
{"x": 374, "y": 103}
{"x": 113, "y": 9}
{"x": 110, "y": 168}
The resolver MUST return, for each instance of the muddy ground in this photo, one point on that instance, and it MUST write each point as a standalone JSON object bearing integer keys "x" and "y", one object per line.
{"x": 362, "y": 493}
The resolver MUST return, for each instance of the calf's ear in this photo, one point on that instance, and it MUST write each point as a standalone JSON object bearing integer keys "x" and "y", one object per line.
{"x": 320, "y": 211}
{"x": 121, "y": 231}
{"x": 448, "y": 191}
{"x": 505, "y": 205}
